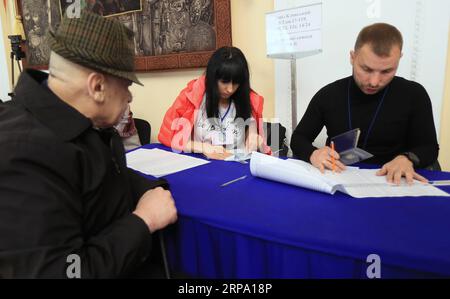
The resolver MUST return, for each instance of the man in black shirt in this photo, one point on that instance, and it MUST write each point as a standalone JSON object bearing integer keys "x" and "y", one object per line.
{"x": 69, "y": 206}
{"x": 394, "y": 115}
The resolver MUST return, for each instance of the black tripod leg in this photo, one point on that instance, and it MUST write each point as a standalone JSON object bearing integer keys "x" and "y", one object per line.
{"x": 12, "y": 71}
{"x": 19, "y": 66}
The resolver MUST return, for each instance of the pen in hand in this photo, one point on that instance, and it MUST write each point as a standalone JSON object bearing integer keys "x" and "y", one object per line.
{"x": 333, "y": 160}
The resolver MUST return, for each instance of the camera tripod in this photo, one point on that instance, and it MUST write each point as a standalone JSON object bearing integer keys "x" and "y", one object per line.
{"x": 16, "y": 54}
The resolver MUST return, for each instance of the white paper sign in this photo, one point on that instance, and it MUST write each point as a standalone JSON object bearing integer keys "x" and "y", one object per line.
{"x": 295, "y": 32}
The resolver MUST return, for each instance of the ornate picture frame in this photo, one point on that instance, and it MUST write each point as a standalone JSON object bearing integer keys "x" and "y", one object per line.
{"x": 169, "y": 34}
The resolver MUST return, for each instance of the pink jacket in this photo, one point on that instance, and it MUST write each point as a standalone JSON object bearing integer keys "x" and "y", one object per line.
{"x": 176, "y": 128}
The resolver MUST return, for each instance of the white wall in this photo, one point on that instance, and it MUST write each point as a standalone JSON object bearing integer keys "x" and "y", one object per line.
{"x": 4, "y": 85}
{"x": 424, "y": 25}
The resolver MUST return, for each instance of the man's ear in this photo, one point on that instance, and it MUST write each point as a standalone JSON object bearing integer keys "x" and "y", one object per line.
{"x": 352, "y": 57}
{"x": 96, "y": 86}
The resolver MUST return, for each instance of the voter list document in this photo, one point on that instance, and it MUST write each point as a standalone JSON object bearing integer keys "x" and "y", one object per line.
{"x": 358, "y": 183}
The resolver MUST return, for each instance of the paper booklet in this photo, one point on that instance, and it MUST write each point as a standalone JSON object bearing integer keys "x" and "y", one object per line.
{"x": 358, "y": 183}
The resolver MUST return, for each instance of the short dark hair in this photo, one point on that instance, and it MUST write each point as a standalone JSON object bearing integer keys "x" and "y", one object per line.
{"x": 381, "y": 37}
{"x": 229, "y": 65}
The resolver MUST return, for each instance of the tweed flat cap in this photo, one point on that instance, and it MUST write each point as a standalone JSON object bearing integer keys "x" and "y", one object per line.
{"x": 97, "y": 43}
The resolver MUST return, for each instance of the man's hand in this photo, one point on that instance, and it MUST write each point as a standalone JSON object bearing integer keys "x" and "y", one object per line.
{"x": 398, "y": 168}
{"x": 157, "y": 208}
{"x": 215, "y": 152}
{"x": 322, "y": 160}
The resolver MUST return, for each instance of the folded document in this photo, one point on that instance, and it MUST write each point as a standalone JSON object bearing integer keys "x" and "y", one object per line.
{"x": 358, "y": 183}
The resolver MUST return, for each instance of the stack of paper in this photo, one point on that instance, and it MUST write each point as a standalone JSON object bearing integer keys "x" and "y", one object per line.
{"x": 358, "y": 183}
{"x": 159, "y": 163}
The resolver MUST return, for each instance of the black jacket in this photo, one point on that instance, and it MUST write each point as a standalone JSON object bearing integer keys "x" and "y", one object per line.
{"x": 65, "y": 189}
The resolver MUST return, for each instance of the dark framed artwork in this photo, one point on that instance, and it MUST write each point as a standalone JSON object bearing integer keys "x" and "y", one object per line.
{"x": 169, "y": 34}
{"x": 107, "y": 8}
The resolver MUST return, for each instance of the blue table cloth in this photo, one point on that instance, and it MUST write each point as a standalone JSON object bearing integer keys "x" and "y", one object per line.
{"x": 261, "y": 229}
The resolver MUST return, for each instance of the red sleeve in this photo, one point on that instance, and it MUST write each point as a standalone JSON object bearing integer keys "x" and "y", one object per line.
{"x": 176, "y": 127}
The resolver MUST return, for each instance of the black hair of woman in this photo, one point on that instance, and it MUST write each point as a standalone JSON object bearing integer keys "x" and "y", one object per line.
{"x": 228, "y": 64}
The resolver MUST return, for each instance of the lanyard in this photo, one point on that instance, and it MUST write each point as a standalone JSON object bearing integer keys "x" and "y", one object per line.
{"x": 374, "y": 117}
{"x": 222, "y": 129}
{"x": 226, "y": 113}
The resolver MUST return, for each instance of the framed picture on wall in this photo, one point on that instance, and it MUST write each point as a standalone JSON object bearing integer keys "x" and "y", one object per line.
{"x": 106, "y": 8}
{"x": 169, "y": 34}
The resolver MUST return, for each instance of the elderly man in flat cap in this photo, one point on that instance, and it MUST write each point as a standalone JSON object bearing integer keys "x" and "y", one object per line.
{"x": 67, "y": 198}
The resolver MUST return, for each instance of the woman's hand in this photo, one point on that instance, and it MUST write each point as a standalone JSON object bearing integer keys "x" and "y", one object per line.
{"x": 214, "y": 152}
{"x": 253, "y": 143}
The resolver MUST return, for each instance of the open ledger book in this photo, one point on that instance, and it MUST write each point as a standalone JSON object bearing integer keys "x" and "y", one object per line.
{"x": 358, "y": 183}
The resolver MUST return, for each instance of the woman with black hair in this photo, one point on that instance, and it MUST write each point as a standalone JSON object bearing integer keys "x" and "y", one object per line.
{"x": 217, "y": 114}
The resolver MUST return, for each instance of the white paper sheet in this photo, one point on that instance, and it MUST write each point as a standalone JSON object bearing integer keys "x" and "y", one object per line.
{"x": 358, "y": 183}
{"x": 365, "y": 183}
{"x": 159, "y": 163}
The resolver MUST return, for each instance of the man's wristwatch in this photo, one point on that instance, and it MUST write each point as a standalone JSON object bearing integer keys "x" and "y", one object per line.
{"x": 411, "y": 157}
